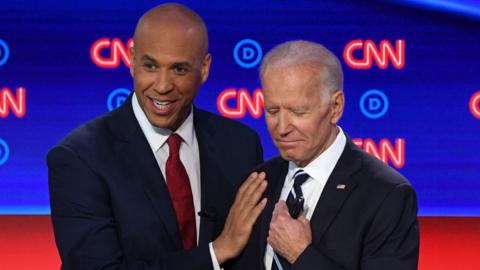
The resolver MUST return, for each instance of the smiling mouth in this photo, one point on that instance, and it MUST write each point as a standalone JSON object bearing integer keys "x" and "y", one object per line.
{"x": 163, "y": 107}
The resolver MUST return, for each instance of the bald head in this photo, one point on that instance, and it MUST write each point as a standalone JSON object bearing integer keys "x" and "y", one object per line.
{"x": 169, "y": 63}
{"x": 170, "y": 17}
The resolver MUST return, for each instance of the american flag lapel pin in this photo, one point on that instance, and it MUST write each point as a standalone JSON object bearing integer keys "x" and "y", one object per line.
{"x": 341, "y": 186}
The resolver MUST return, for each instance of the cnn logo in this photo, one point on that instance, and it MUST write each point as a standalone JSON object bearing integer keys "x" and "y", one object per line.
{"x": 16, "y": 103}
{"x": 368, "y": 52}
{"x": 107, "y": 53}
{"x": 384, "y": 150}
{"x": 244, "y": 102}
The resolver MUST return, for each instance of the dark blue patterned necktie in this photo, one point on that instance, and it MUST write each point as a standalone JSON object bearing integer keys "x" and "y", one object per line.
{"x": 294, "y": 195}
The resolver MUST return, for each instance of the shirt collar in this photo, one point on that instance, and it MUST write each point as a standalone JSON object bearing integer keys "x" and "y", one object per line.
{"x": 156, "y": 136}
{"x": 321, "y": 167}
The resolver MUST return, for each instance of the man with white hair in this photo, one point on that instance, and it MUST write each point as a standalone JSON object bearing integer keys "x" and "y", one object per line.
{"x": 330, "y": 205}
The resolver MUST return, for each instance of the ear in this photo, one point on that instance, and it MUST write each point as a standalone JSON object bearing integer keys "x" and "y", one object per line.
{"x": 206, "y": 67}
{"x": 132, "y": 59}
{"x": 337, "y": 102}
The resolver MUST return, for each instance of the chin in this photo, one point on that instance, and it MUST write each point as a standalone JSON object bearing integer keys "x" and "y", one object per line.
{"x": 288, "y": 156}
{"x": 159, "y": 123}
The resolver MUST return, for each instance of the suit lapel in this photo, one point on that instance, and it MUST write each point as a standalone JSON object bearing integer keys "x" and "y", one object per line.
{"x": 337, "y": 189}
{"x": 327, "y": 207}
{"x": 211, "y": 175}
{"x": 276, "y": 174}
{"x": 140, "y": 161}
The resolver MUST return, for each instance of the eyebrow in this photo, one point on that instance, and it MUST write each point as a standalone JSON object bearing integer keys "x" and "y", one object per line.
{"x": 181, "y": 63}
{"x": 184, "y": 64}
{"x": 148, "y": 58}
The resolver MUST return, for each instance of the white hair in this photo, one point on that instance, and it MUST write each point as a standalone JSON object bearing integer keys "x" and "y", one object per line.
{"x": 305, "y": 53}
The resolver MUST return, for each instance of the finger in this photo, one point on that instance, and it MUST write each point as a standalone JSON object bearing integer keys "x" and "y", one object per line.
{"x": 244, "y": 187}
{"x": 253, "y": 192}
{"x": 282, "y": 206}
{"x": 272, "y": 238}
{"x": 254, "y": 198}
{"x": 277, "y": 205}
{"x": 278, "y": 210}
{"x": 257, "y": 210}
{"x": 273, "y": 225}
{"x": 255, "y": 183}
{"x": 273, "y": 242}
{"x": 269, "y": 240}
{"x": 247, "y": 183}
{"x": 275, "y": 209}
{"x": 303, "y": 219}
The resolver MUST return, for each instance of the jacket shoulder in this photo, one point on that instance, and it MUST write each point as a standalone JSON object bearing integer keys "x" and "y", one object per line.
{"x": 272, "y": 164}
{"x": 378, "y": 171}
{"x": 89, "y": 137}
{"x": 378, "y": 179}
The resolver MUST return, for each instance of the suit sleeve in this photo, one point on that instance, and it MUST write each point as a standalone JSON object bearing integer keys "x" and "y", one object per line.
{"x": 84, "y": 224}
{"x": 259, "y": 150}
{"x": 391, "y": 242}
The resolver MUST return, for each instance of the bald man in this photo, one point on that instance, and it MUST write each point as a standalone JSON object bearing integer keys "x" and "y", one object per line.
{"x": 150, "y": 185}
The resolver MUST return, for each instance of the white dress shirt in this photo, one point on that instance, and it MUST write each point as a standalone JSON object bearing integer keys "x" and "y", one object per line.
{"x": 189, "y": 155}
{"x": 319, "y": 171}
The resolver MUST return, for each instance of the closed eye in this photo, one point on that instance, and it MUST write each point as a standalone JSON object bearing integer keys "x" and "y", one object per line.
{"x": 271, "y": 111}
{"x": 299, "y": 113}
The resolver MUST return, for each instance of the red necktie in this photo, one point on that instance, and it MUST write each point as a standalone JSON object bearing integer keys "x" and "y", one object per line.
{"x": 180, "y": 192}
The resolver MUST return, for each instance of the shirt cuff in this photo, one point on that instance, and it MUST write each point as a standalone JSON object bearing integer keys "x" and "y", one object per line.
{"x": 215, "y": 264}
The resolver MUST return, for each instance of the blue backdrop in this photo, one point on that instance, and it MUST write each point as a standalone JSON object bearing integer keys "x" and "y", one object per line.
{"x": 430, "y": 100}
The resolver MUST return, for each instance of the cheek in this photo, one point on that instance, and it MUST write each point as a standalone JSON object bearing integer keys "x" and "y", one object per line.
{"x": 143, "y": 80}
{"x": 309, "y": 131}
{"x": 271, "y": 124}
{"x": 304, "y": 127}
{"x": 188, "y": 87}
{"x": 319, "y": 133}
{"x": 188, "y": 94}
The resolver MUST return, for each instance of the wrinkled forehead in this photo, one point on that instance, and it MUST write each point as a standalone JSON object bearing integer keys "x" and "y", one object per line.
{"x": 293, "y": 82}
{"x": 294, "y": 75}
{"x": 307, "y": 70}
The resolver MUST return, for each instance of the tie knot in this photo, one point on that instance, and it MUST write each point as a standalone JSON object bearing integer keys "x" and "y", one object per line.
{"x": 174, "y": 141}
{"x": 299, "y": 178}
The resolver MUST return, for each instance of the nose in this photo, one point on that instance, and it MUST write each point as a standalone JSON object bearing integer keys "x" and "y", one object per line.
{"x": 163, "y": 82}
{"x": 284, "y": 125}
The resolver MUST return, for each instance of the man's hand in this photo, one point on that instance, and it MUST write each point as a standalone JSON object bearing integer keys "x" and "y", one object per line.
{"x": 289, "y": 237}
{"x": 242, "y": 216}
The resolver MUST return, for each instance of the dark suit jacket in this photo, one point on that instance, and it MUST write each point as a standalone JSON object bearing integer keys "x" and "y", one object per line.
{"x": 371, "y": 224}
{"x": 110, "y": 204}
